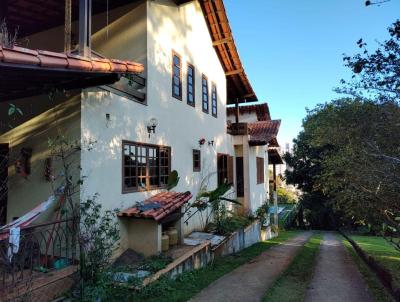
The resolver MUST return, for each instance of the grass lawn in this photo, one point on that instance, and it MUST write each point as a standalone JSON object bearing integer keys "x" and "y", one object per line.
{"x": 292, "y": 284}
{"x": 383, "y": 252}
{"x": 189, "y": 284}
{"x": 376, "y": 288}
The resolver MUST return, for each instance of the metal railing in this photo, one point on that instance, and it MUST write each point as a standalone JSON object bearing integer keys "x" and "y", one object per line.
{"x": 36, "y": 250}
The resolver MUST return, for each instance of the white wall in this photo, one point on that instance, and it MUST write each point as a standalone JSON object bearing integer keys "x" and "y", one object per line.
{"x": 244, "y": 118}
{"x": 258, "y": 192}
{"x": 26, "y": 193}
{"x": 184, "y": 30}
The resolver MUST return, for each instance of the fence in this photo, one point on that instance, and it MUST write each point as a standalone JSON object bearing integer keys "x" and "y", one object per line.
{"x": 36, "y": 250}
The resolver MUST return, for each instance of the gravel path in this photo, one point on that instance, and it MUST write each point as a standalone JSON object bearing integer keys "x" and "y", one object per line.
{"x": 336, "y": 276}
{"x": 249, "y": 282}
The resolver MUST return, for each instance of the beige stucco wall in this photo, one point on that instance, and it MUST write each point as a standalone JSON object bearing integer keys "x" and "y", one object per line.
{"x": 168, "y": 27}
{"x": 25, "y": 193}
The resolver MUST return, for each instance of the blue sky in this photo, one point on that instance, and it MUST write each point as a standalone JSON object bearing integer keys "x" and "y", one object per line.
{"x": 292, "y": 49}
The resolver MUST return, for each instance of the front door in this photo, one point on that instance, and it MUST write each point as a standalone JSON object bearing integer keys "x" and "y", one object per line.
{"x": 239, "y": 177}
{"x": 4, "y": 155}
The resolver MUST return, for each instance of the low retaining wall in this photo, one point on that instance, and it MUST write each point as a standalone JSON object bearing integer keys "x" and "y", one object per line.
{"x": 381, "y": 272}
{"x": 196, "y": 258}
{"x": 203, "y": 254}
{"x": 239, "y": 240}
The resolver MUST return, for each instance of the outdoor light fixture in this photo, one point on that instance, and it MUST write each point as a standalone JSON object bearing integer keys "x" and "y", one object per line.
{"x": 151, "y": 126}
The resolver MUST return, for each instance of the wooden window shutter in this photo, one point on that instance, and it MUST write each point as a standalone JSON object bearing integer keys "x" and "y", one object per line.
{"x": 230, "y": 169}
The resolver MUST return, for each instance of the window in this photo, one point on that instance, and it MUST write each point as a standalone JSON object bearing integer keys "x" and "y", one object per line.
{"x": 190, "y": 85}
{"x": 176, "y": 76}
{"x": 224, "y": 169}
{"x": 145, "y": 167}
{"x": 196, "y": 161}
{"x": 260, "y": 170}
{"x": 205, "y": 93}
{"x": 214, "y": 100}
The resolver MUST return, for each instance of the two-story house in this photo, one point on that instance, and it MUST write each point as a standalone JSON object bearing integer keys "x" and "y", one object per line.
{"x": 145, "y": 87}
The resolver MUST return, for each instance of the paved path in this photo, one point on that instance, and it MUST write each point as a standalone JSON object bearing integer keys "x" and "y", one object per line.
{"x": 249, "y": 282}
{"x": 336, "y": 276}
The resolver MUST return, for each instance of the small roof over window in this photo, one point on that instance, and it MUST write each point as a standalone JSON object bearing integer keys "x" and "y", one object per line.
{"x": 264, "y": 132}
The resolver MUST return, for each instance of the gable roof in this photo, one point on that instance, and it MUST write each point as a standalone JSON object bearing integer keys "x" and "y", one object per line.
{"x": 238, "y": 84}
{"x": 261, "y": 110}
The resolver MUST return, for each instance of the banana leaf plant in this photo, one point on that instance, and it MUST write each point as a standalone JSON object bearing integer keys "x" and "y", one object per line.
{"x": 216, "y": 201}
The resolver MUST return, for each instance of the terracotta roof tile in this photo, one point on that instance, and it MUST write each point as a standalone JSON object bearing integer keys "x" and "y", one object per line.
{"x": 262, "y": 133}
{"x": 49, "y": 59}
{"x": 168, "y": 202}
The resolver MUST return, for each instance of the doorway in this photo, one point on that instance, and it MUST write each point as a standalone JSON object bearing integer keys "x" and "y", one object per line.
{"x": 4, "y": 158}
{"x": 239, "y": 177}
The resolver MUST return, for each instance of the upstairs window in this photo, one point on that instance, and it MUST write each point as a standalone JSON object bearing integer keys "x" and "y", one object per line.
{"x": 205, "y": 93}
{"x": 214, "y": 100}
{"x": 260, "y": 170}
{"x": 176, "y": 76}
{"x": 196, "y": 161}
{"x": 145, "y": 167}
{"x": 190, "y": 85}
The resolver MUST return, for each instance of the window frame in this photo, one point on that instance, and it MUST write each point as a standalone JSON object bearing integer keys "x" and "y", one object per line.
{"x": 196, "y": 168}
{"x": 204, "y": 77}
{"x": 224, "y": 170}
{"x": 214, "y": 92}
{"x": 178, "y": 97}
{"x": 260, "y": 170}
{"x": 193, "y": 104}
{"x": 149, "y": 187}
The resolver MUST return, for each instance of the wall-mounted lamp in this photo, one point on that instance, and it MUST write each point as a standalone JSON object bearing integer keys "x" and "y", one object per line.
{"x": 211, "y": 143}
{"x": 151, "y": 126}
{"x": 108, "y": 119}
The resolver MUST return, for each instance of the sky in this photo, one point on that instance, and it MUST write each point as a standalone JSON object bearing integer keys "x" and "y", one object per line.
{"x": 292, "y": 50}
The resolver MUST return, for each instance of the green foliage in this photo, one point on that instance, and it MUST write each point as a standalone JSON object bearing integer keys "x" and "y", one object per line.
{"x": 213, "y": 203}
{"x": 293, "y": 283}
{"x": 155, "y": 263}
{"x": 262, "y": 213}
{"x": 227, "y": 224}
{"x": 173, "y": 180}
{"x": 285, "y": 196}
{"x": 99, "y": 234}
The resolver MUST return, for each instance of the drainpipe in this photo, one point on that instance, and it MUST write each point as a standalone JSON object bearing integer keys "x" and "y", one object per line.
{"x": 85, "y": 27}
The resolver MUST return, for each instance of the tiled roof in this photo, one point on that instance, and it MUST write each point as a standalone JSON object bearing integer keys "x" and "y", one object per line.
{"x": 49, "y": 59}
{"x": 274, "y": 157}
{"x": 158, "y": 206}
{"x": 238, "y": 85}
{"x": 262, "y": 133}
{"x": 261, "y": 110}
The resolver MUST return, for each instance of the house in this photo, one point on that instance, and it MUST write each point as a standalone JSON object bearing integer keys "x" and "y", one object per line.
{"x": 143, "y": 87}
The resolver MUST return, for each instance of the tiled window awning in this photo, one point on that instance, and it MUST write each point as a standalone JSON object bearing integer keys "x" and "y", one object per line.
{"x": 25, "y": 72}
{"x": 262, "y": 133}
{"x": 158, "y": 206}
